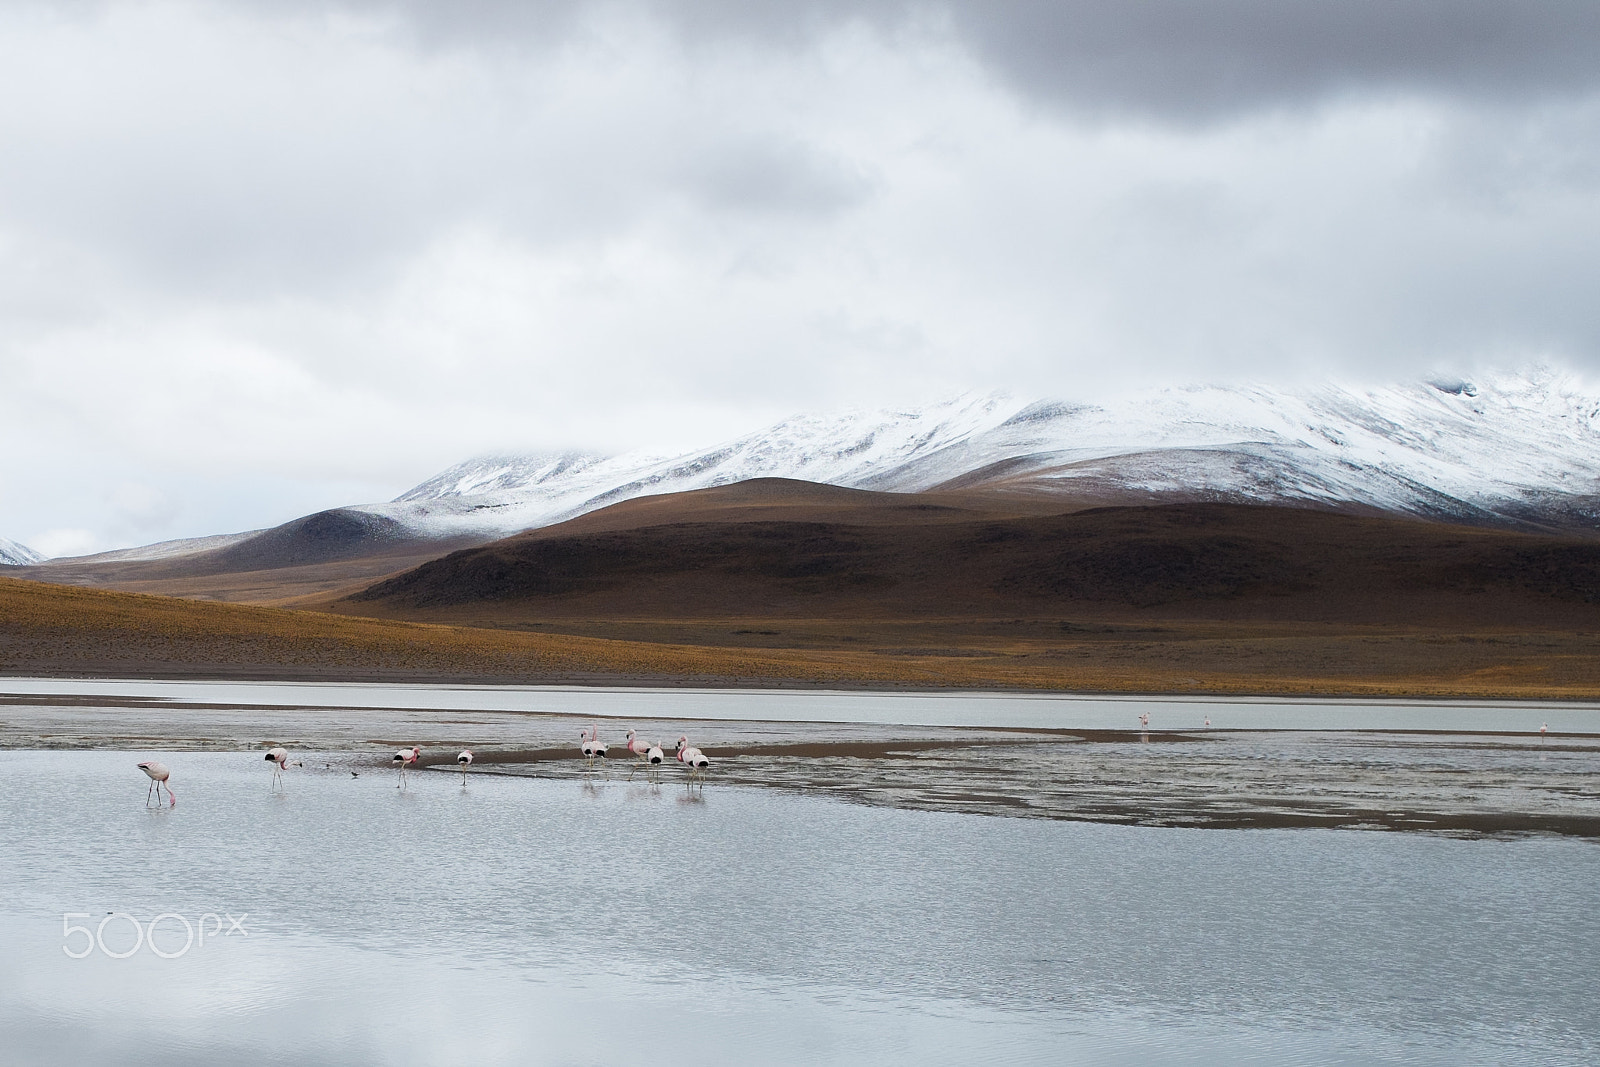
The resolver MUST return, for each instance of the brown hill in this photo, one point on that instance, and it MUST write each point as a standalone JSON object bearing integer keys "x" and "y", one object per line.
{"x": 329, "y": 552}
{"x": 893, "y": 556}
{"x": 787, "y": 583}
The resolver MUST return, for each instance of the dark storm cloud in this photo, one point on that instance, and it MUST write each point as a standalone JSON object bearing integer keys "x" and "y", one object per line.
{"x": 1179, "y": 60}
{"x": 1189, "y": 59}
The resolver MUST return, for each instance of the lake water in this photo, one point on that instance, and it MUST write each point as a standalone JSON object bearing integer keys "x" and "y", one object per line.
{"x": 1012, "y": 710}
{"x": 527, "y": 920}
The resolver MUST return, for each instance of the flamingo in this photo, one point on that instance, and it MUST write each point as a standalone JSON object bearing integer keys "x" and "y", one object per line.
{"x": 405, "y": 758}
{"x": 464, "y": 760}
{"x": 159, "y": 776}
{"x": 655, "y": 757}
{"x": 1544, "y": 728}
{"x": 591, "y": 746}
{"x": 692, "y": 758}
{"x": 279, "y": 758}
{"x": 640, "y": 748}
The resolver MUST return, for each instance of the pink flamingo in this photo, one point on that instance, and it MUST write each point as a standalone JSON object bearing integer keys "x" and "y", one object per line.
{"x": 693, "y": 759}
{"x": 279, "y": 757}
{"x": 404, "y": 759}
{"x": 640, "y": 748}
{"x": 464, "y": 760}
{"x": 591, "y": 746}
{"x": 159, "y": 776}
{"x": 655, "y": 757}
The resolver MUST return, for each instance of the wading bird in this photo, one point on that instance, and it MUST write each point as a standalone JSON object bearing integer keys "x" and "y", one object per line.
{"x": 591, "y": 746}
{"x": 655, "y": 757}
{"x": 693, "y": 759}
{"x": 158, "y": 777}
{"x": 279, "y": 758}
{"x": 640, "y": 748}
{"x": 404, "y": 759}
{"x": 465, "y": 761}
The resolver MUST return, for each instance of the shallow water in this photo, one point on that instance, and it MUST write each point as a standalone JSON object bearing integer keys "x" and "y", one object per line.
{"x": 1013, "y": 710}
{"x": 557, "y": 921}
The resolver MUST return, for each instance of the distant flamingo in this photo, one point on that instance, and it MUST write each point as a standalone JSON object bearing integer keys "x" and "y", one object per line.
{"x": 591, "y": 746}
{"x": 404, "y": 759}
{"x": 1144, "y": 726}
{"x": 1544, "y": 728}
{"x": 693, "y": 759}
{"x": 279, "y": 758}
{"x": 465, "y": 761}
{"x": 159, "y": 776}
{"x": 1208, "y": 720}
{"x": 640, "y": 748}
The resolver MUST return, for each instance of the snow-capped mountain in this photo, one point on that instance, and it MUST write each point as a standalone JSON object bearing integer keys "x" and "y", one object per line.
{"x": 15, "y": 555}
{"x": 497, "y": 495}
{"x": 1521, "y": 448}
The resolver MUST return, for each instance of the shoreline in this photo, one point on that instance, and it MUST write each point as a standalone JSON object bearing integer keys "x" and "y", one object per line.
{"x": 1260, "y": 765}
{"x": 1369, "y": 697}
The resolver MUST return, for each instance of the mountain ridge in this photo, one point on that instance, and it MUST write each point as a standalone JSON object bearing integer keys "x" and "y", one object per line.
{"x": 16, "y": 554}
{"x": 1518, "y": 450}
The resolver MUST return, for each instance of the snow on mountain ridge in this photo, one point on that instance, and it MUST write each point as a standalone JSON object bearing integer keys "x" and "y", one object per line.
{"x": 1506, "y": 446}
{"x": 13, "y": 554}
{"x": 497, "y": 495}
{"x": 1512, "y": 442}
{"x": 1513, "y": 448}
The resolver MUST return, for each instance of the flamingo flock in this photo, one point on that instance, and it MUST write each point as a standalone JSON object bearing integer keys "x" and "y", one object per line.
{"x": 647, "y": 754}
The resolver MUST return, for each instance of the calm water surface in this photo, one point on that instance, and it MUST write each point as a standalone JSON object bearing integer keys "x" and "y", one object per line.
{"x": 1017, "y": 710}
{"x": 546, "y": 921}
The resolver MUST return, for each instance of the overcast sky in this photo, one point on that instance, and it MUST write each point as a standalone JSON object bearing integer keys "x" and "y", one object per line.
{"x": 258, "y": 259}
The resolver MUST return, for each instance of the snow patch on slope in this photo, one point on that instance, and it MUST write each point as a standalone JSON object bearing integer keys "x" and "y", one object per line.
{"x": 13, "y": 554}
{"x": 187, "y": 546}
{"x": 498, "y": 495}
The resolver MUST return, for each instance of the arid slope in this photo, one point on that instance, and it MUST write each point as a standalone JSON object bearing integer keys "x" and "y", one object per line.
{"x": 790, "y": 583}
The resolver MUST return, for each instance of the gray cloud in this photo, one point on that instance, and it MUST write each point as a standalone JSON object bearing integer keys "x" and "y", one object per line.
{"x": 1183, "y": 59}
{"x": 1173, "y": 60}
{"x": 266, "y": 258}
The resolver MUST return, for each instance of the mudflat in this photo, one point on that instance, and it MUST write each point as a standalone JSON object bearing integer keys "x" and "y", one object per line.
{"x": 1455, "y": 782}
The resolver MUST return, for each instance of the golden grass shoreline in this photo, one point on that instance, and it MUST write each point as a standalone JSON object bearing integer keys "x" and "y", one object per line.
{"x": 70, "y": 631}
